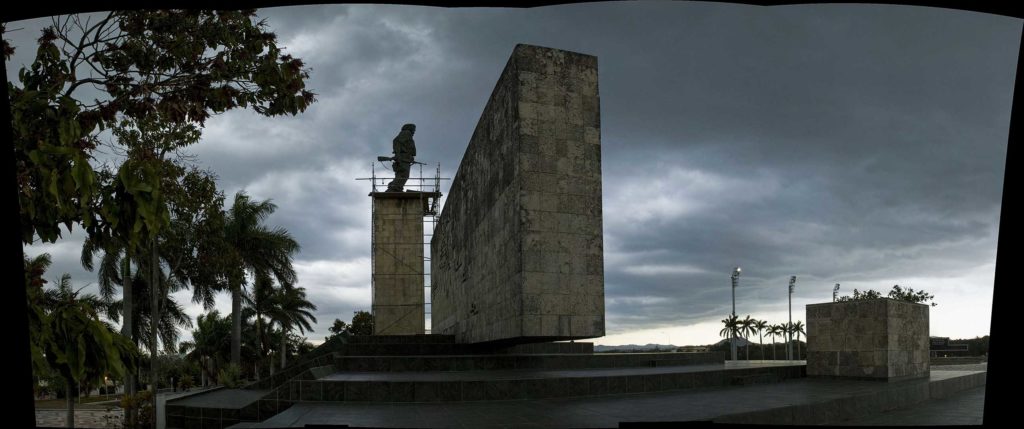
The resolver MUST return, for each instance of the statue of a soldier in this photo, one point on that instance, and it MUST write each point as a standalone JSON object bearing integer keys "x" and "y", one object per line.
{"x": 404, "y": 149}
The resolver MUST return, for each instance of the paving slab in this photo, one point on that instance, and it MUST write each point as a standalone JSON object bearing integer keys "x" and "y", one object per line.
{"x": 515, "y": 374}
{"x": 964, "y": 408}
{"x": 608, "y": 411}
{"x": 223, "y": 398}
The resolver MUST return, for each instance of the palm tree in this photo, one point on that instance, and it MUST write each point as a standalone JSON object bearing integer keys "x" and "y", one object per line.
{"x": 115, "y": 267}
{"x": 761, "y": 326}
{"x": 798, "y": 328}
{"x": 253, "y": 249}
{"x": 172, "y": 315}
{"x": 788, "y": 337}
{"x": 731, "y": 328}
{"x": 258, "y": 304}
{"x": 774, "y": 330}
{"x": 76, "y": 343}
{"x": 741, "y": 331}
{"x": 35, "y": 268}
{"x": 747, "y": 329}
{"x": 211, "y": 344}
{"x": 290, "y": 310}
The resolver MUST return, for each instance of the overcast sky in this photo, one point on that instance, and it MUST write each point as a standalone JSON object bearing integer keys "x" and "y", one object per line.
{"x": 855, "y": 144}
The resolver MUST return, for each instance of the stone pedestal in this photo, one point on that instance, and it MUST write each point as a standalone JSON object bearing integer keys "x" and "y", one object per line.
{"x": 881, "y": 339}
{"x": 398, "y": 282}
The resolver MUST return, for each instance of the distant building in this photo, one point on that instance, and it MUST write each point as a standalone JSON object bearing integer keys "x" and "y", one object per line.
{"x": 694, "y": 349}
{"x": 940, "y": 347}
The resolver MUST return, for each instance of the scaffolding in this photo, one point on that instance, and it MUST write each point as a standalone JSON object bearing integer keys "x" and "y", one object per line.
{"x": 429, "y": 190}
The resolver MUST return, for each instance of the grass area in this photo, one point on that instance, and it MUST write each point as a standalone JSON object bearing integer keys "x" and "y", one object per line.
{"x": 91, "y": 403}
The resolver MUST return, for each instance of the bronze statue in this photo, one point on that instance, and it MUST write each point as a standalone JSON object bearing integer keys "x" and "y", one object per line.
{"x": 404, "y": 149}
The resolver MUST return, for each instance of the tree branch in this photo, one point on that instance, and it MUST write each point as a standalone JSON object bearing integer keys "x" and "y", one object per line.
{"x": 82, "y": 82}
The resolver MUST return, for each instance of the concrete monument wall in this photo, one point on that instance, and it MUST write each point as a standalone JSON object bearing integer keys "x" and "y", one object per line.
{"x": 398, "y": 304}
{"x": 517, "y": 255}
{"x": 878, "y": 338}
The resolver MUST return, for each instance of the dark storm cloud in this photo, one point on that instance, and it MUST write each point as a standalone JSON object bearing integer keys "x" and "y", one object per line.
{"x": 839, "y": 143}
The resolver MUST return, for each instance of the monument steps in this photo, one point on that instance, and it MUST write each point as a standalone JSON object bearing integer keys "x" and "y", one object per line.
{"x": 501, "y": 385}
{"x": 401, "y": 339}
{"x": 471, "y": 362}
{"x": 802, "y": 402}
{"x": 433, "y": 369}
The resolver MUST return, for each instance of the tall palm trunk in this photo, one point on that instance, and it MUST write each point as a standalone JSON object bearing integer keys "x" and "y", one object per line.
{"x": 284, "y": 349}
{"x": 263, "y": 345}
{"x": 70, "y": 393}
{"x": 760, "y": 340}
{"x": 127, "y": 313}
{"x": 202, "y": 374}
{"x": 797, "y": 346}
{"x": 154, "y": 318}
{"x": 774, "y": 356}
{"x": 236, "y": 324}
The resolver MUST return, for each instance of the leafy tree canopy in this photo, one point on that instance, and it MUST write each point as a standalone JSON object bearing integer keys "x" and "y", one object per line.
{"x": 179, "y": 65}
{"x": 897, "y": 293}
{"x": 362, "y": 324}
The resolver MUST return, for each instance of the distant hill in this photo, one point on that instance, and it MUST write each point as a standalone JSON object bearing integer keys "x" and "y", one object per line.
{"x": 740, "y": 342}
{"x": 635, "y": 347}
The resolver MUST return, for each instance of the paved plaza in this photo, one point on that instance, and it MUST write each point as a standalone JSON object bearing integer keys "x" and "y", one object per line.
{"x": 965, "y": 408}
{"x": 707, "y": 404}
{"x": 83, "y": 418}
{"x": 105, "y": 418}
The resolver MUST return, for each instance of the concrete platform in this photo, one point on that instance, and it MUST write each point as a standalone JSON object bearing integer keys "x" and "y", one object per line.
{"x": 524, "y": 361}
{"x": 497, "y": 385}
{"x": 325, "y": 385}
{"x": 752, "y": 363}
{"x": 966, "y": 408}
{"x": 802, "y": 401}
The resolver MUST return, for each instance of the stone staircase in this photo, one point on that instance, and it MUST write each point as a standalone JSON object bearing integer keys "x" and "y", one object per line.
{"x": 433, "y": 368}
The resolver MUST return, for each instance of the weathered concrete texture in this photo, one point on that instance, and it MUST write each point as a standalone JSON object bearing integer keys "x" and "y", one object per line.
{"x": 398, "y": 264}
{"x": 879, "y": 339}
{"x": 518, "y": 252}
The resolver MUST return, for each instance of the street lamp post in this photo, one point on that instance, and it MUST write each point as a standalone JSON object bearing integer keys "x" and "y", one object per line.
{"x": 789, "y": 328}
{"x": 835, "y": 292}
{"x": 732, "y": 339}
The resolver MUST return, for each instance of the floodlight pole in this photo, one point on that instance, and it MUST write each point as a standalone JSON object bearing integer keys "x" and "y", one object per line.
{"x": 789, "y": 328}
{"x": 835, "y": 293}
{"x": 732, "y": 334}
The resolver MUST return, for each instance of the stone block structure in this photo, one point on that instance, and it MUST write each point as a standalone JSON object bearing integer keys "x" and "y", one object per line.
{"x": 398, "y": 289}
{"x": 873, "y": 339}
{"x": 517, "y": 255}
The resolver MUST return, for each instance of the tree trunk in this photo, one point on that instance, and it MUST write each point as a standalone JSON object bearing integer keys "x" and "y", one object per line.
{"x": 236, "y": 324}
{"x": 71, "y": 404}
{"x": 128, "y": 317}
{"x": 284, "y": 348}
{"x": 263, "y": 345}
{"x": 154, "y": 323}
{"x": 797, "y": 346}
